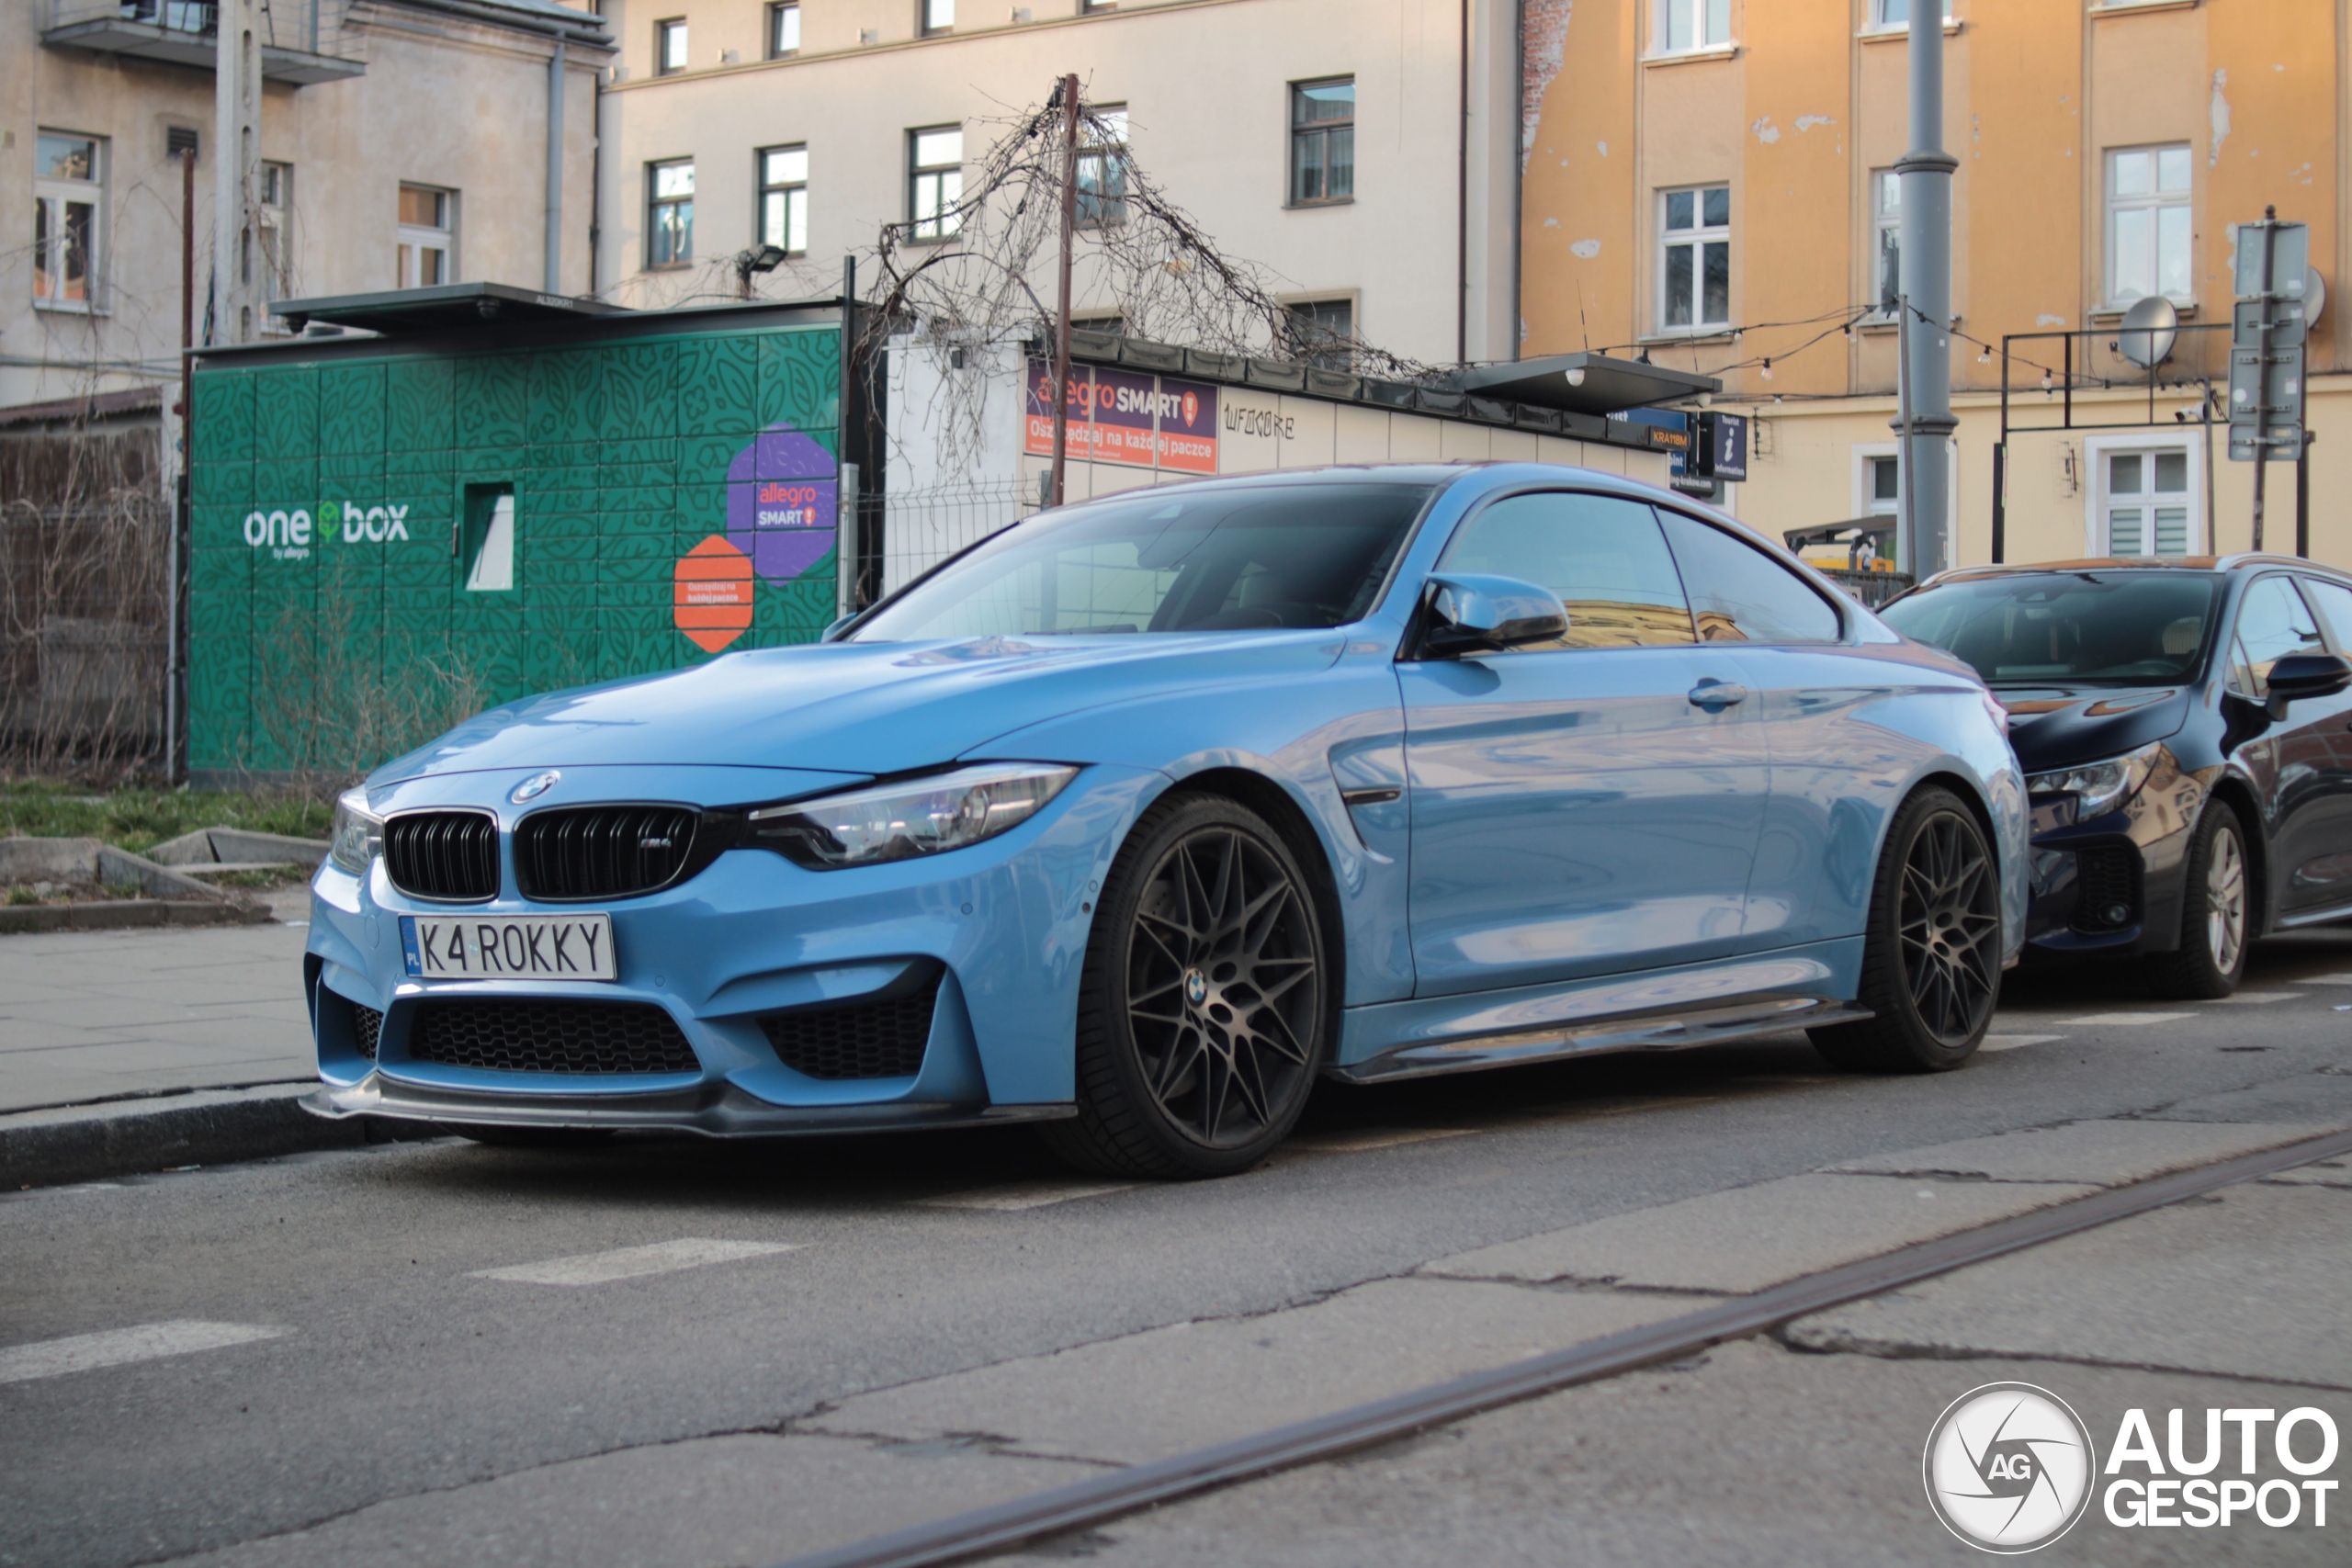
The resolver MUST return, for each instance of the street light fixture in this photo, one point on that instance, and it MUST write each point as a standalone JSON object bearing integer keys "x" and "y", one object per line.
{"x": 767, "y": 258}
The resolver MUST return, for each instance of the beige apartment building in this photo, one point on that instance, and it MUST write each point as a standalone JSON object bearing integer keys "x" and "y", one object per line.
{"x": 1708, "y": 182}
{"x": 1362, "y": 150}
{"x": 401, "y": 142}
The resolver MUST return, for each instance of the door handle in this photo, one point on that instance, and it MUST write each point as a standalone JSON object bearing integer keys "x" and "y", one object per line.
{"x": 1712, "y": 695}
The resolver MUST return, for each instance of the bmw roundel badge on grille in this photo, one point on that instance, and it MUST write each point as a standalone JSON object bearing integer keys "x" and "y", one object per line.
{"x": 534, "y": 787}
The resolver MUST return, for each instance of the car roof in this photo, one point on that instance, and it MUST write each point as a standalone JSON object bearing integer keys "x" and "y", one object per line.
{"x": 2245, "y": 561}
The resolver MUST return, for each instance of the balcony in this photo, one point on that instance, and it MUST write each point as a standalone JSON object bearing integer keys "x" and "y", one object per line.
{"x": 302, "y": 40}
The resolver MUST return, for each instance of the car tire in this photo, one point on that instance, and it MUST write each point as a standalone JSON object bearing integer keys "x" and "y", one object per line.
{"x": 2216, "y": 916}
{"x": 1931, "y": 953}
{"x": 1205, "y": 1005}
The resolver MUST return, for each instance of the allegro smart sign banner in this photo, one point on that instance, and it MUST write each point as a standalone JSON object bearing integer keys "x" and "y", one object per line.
{"x": 1125, "y": 416}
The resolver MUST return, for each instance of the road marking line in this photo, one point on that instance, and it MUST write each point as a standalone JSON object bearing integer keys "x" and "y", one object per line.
{"x": 633, "y": 1262}
{"x": 2013, "y": 1042}
{"x": 1018, "y": 1195}
{"x": 2253, "y": 998}
{"x": 2125, "y": 1020}
{"x": 120, "y": 1347}
{"x": 1368, "y": 1139}
{"x": 2325, "y": 980}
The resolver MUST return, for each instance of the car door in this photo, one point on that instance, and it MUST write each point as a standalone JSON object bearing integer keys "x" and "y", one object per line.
{"x": 1831, "y": 767}
{"x": 2324, "y": 877}
{"x": 1587, "y": 805}
{"x": 2311, "y": 815}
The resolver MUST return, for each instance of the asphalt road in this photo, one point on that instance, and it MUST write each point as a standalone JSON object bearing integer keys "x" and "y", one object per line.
{"x": 414, "y": 1353}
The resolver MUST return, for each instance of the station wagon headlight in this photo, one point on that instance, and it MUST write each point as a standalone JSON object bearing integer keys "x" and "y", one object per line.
{"x": 909, "y": 818}
{"x": 358, "y": 835}
{"x": 2099, "y": 788}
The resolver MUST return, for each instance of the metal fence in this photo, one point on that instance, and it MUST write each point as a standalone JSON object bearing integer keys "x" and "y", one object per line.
{"x": 902, "y": 534}
{"x": 82, "y": 634}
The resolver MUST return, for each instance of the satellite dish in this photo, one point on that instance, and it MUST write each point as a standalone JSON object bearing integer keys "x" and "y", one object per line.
{"x": 2314, "y": 297}
{"x": 2150, "y": 329}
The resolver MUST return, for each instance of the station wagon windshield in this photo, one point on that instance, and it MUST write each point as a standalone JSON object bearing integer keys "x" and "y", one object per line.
{"x": 2116, "y": 628}
{"x": 1220, "y": 559}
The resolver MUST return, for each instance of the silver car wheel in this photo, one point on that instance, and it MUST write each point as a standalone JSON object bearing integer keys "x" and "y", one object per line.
{"x": 2225, "y": 901}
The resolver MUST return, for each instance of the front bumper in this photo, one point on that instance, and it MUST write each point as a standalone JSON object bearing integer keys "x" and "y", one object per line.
{"x": 1002, "y": 925}
{"x": 2112, "y": 885}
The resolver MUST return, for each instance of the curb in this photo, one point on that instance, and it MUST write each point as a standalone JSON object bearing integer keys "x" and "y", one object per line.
{"x": 124, "y": 914}
{"x": 88, "y": 1142}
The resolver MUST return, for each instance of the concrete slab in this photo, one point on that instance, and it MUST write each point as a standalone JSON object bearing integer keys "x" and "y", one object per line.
{"x": 2325, "y": 1173}
{"x": 1191, "y": 1384}
{"x": 1750, "y": 1237}
{"x": 2248, "y": 1282}
{"x": 2312, "y": 1097}
{"x": 1749, "y": 1457}
{"x": 2106, "y": 1153}
{"x": 751, "y": 1498}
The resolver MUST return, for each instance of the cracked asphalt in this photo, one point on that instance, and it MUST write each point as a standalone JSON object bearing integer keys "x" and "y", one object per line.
{"x": 686, "y": 1353}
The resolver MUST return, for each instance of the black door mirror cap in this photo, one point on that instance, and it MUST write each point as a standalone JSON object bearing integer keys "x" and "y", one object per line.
{"x": 1478, "y": 613}
{"x": 2309, "y": 675}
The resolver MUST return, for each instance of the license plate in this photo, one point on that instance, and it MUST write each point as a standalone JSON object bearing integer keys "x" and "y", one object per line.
{"x": 508, "y": 947}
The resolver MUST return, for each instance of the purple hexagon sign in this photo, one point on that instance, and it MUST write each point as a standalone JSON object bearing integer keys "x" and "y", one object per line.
{"x": 782, "y": 503}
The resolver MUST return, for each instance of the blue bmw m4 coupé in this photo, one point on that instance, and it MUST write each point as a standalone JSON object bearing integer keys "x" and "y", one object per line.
{"x": 1135, "y": 819}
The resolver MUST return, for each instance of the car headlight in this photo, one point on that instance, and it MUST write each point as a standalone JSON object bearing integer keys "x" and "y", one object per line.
{"x": 2099, "y": 788}
{"x": 359, "y": 836}
{"x": 909, "y": 817}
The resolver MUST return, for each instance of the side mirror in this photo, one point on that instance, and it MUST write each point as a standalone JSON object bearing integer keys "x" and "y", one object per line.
{"x": 1477, "y": 614}
{"x": 829, "y": 632}
{"x": 2308, "y": 675}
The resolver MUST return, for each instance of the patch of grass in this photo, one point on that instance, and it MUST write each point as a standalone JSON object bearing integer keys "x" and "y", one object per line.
{"x": 20, "y": 893}
{"x": 138, "y": 820}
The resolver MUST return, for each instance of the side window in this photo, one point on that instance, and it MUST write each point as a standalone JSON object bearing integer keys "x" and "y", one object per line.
{"x": 1603, "y": 555}
{"x": 2334, "y": 602}
{"x": 1740, "y": 594}
{"x": 2274, "y": 622}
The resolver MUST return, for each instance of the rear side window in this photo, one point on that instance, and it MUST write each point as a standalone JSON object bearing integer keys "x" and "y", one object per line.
{"x": 1740, "y": 594}
{"x": 1603, "y": 555}
{"x": 2334, "y": 602}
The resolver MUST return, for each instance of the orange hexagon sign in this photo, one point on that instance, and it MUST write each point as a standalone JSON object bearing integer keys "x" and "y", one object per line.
{"x": 713, "y": 605}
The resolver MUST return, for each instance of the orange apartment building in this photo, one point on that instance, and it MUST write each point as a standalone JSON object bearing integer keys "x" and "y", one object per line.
{"x": 1708, "y": 182}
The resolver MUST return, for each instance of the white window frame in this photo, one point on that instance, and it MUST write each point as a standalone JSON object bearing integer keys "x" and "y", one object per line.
{"x": 2157, "y": 203}
{"x": 2096, "y": 449}
{"x": 1103, "y": 201}
{"x": 663, "y": 31}
{"x": 1866, "y": 506}
{"x": 946, "y": 182}
{"x": 795, "y": 195}
{"x": 777, "y": 48}
{"x": 51, "y": 197}
{"x": 934, "y": 17}
{"x": 1878, "y": 26}
{"x": 417, "y": 238}
{"x": 1706, "y": 24}
{"x": 1866, "y": 502}
{"x": 1885, "y": 183}
{"x": 1343, "y": 361}
{"x": 1697, "y": 239}
{"x": 655, "y": 201}
{"x": 274, "y": 243}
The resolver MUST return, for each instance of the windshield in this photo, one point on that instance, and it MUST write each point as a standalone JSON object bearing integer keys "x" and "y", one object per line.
{"x": 2067, "y": 627}
{"x": 1169, "y": 561}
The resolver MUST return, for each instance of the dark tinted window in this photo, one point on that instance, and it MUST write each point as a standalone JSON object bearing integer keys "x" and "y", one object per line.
{"x": 1169, "y": 561}
{"x": 2334, "y": 602}
{"x": 1603, "y": 555}
{"x": 2116, "y": 628}
{"x": 1740, "y": 594}
{"x": 2273, "y": 622}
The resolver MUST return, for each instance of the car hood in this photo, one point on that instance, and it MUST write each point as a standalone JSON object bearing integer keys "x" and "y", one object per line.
{"x": 853, "y": 707}
{"x": 2061, "y": 726}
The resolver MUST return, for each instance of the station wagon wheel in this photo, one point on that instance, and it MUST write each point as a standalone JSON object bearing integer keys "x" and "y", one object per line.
{"x": 2216, "y": 913}
{"x": 1932, "y": 957}
{"x": 1204, "y": 1012}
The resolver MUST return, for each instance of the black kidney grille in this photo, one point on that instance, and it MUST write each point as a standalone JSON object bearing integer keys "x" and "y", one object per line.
{"x": 367, "y": 1025}
{"x": 879, "y": 1039}
{"x": 551, "y": 1037}
{"x": 2105, "y": 876}
{"x": 448, "y": 855}
{"x": 602, "y": 851}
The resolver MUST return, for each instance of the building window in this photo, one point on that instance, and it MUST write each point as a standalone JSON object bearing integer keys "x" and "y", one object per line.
{"x": 670, "y": 213}
{"x": 1323, "y": 332}
{"x": 784, "y": 198}
{"x": 1886, "y": 219}
{"x": 784, "y": 31}
{"x": 669, "y": 47}
{"x": 1882, "y": 486}
{"x": 1322, "y": 141}
{"x": 1694, "y": 258}
{"x": 1114, "y": 325}
{"x": 935, "y": 181}
{"x": 2145, "y": 501}
{"x": 276, "y": 212}
{"x": 1103, "y": 166}
{"x": 938, "y": 17}
{"x": 1685, "y": 25}
{"x": 69, "y": 205}
{"x": 2147, "y": 224}
{"x": 428, "y": 249}
{"x": 1887, "y": 15}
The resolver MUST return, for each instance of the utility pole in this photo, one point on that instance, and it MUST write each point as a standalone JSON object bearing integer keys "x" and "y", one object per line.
{"x": 236, "y": 168}
{"x": 1061, "y": 308}
{"x": 1925, "y": 172}
{"x": 2262, "y": 337}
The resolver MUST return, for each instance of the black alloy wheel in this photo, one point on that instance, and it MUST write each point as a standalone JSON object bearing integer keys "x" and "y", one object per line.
{"x": 1203, "y": 1009}
{"x": 1932, "y": 957}
{"x": 2216, "y": 914}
